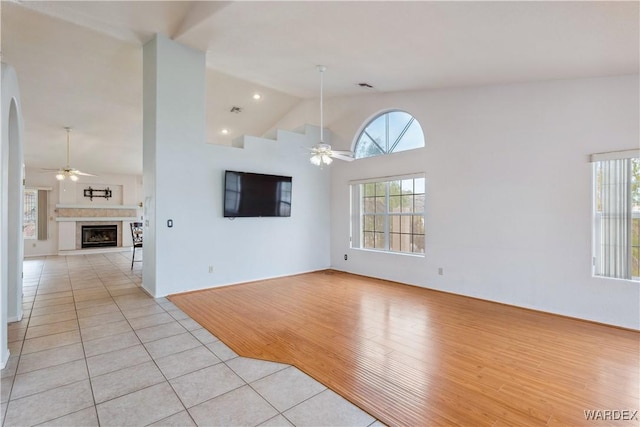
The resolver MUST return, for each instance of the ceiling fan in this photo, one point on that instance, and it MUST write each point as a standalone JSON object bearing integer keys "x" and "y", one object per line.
{"x": 321, "y": 153}
{"x": 68, "y": 171}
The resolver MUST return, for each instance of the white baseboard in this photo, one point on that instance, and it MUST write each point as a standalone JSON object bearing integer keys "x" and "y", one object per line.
{"x": 95, "y": 251}
{"x": 6, "y": 359}
{"x": 15, "y": 318}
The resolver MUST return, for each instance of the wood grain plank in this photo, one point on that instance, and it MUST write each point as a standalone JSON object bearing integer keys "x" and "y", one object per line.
{"x": 415, "y": 357}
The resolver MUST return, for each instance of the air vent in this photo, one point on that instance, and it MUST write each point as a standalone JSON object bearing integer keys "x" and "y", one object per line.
{"x": 367, "y": 85}
{"x": 236, "y": 110}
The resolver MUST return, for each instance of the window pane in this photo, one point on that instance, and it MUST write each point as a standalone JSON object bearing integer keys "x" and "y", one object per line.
{"x": 418, "y": 224}
{"x": 369, "y": 223}
{"x": 635, "y": 185}
{"x": 30, "y": 219}
{"x": 369, "y": 189}
{"x": 369, "y": 204}
{"x": 366, "y": 148}
{"x": 379, "y": 223}
{"x": 395, "y": 203}
{"x": 617, "y": 197}
{"x": 635, "y": 246}
{"x": 368, "y": 240}
{"x": 395, "y": 187}
{"x": 405, "y": 243}
{"x": 377, "y": 131}
{"x": 407, "y": 186}
{"x": 418, "y": 203}
{"x": 418, "y": 243}
{"x": 598, "y": 185}
{"x": 394, "y": 244}
{"x": 389, "y": 219}
{"x": 413, "y": 138}
{"x": 405, "y": 224}
{"x": 394, "y": 223}
{"x": 398, "y": 121}
{"x": 407, "y": 204}
{"x": 389, "y": 132}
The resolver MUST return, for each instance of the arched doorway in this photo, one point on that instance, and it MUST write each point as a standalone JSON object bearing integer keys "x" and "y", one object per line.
{"x": 11, "y": 191}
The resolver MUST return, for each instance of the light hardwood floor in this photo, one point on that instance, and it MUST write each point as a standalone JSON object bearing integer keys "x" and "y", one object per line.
{"x": 415, "y": 357}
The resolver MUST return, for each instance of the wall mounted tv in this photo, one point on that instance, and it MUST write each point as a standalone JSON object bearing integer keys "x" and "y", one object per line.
{"x": 248, "y": 194}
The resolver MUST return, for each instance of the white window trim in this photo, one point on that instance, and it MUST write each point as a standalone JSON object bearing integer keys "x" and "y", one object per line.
{"x": 595, "y": 230}
{"x": 355, "y": 229}
{"x": 615, "y": 155}
{"x": 373, "y": 117}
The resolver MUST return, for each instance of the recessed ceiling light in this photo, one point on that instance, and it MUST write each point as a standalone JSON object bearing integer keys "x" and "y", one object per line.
{"x": 225, "y": 131}
{"x": 257, "y": 96}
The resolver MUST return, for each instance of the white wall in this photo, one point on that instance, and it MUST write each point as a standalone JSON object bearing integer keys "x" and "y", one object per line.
{"x": 508, "y": 191}
{"x": 184, "y": 181}
{"x": 242, "y": 249}
{"x": 245, "y": 249}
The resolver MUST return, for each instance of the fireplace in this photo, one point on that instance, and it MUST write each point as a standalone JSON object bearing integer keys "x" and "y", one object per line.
{"x": 99, "y": 236}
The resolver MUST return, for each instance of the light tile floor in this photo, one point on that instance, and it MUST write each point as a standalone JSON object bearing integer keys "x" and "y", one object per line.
{"x": 93, "y": 349}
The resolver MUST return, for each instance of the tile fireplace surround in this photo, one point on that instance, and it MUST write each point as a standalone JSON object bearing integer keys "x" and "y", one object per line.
{"x": 71, "y": 218}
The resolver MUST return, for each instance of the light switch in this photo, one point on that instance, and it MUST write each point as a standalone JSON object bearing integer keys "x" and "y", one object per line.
{"x": 169, "y": 223}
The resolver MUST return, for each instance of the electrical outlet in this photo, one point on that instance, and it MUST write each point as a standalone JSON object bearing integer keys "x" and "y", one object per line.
{"x": 345, "y": 257}
{"x": 441, "y": 271}
{"x": 211, "y": 269}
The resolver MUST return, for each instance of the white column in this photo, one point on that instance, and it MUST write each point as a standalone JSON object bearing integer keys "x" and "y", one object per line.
{"x": 174, "y": 88}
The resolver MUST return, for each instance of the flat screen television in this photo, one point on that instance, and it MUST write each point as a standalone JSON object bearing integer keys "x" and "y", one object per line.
{"x": 248, "y": 194}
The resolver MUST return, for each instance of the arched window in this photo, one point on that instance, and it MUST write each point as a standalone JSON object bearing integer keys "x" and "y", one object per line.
{"x": 389, "y": 132}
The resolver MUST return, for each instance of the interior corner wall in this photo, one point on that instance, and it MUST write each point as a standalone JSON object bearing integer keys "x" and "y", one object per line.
{"x": 10, "y": 204}
{"x": 184, "y": 182}
{"x": 509, "y": 191}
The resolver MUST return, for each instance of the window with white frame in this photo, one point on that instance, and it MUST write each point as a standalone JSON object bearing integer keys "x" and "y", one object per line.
{"x": 389, "y": 132}
{"x": 30, "y": 218}
{"x": 35, "y": 214}
{"x": 616, "y": 215}
{"x": 388, "y": 214}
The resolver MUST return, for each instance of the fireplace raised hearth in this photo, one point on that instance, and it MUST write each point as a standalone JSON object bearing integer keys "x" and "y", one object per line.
{"x": 99, "y": 236}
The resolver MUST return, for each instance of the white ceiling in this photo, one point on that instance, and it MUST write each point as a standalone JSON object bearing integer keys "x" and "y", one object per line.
{"x": 80, "y": 63}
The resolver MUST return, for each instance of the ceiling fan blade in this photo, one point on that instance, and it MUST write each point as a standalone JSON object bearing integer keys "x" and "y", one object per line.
{"x": 49, "y": 170}
{"x": 77, "y": 172}
{"x": 342, "y": 157}
{"x": 344, "y": 153}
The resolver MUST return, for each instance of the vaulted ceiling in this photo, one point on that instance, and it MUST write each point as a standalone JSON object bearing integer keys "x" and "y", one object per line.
{"x": 79, "y": 64}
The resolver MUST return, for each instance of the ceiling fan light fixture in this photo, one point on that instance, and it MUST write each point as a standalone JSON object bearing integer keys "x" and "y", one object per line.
{"x": 60, "y": 177}
{"x": 73, "y": 177}
{"x": 321, "y": 153}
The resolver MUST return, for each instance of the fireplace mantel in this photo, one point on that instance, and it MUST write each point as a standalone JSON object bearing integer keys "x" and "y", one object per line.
{"x": 67, "y": 206}
{"x": 70, "y": 213}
